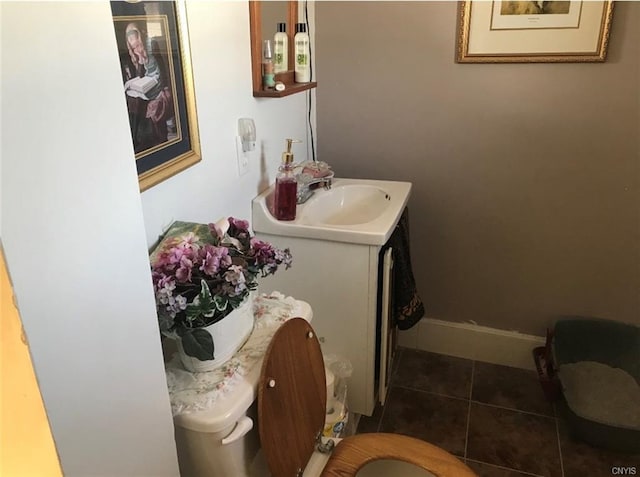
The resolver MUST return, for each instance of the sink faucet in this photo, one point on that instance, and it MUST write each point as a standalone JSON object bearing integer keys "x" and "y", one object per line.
{"x": 305, "y": 183}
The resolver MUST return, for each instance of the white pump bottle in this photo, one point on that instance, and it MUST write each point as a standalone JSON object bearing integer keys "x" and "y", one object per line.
{"x": 281, "y": 49}
{"x": 302, "y": 67}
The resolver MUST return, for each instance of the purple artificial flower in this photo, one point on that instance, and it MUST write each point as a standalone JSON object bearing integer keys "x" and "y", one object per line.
{"x": 263, "y": 252}
{"x": 267, "y": 257}
{"x": 183, "y": 273}
{"x": 163, "y": 261}
{"x": 229, "y": 261}
{"x": 213, "y": 259}
{"x": 235, "y": 276}
{"x": 164, "y": 286}
{"x": 284, "y": 257}
{"x": 176, "y": 305}
{"x": 238, "y": 233}
{"x": 178, "y": 254}
{"x": 239, "y": 224}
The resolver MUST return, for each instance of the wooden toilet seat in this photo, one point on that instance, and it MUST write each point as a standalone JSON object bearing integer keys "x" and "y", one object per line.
{"x": 353, "y": 453}
{"x": 291, "y": 412}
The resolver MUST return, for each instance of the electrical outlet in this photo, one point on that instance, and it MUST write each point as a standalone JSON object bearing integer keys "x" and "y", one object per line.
{"x": 243, "y": 158}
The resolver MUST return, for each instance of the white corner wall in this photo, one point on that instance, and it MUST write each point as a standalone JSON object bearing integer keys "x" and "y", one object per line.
{"x": 76, "y": 230}
{"x": 74, "y": 237}
{"x": 221, "y": 56}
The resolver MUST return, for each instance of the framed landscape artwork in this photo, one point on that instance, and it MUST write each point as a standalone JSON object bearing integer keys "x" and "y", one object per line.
{"x": 157, "y": 80}
{"x": 538, "y": 31}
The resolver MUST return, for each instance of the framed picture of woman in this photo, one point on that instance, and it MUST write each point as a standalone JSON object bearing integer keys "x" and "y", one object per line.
{"x": 157, "y": 82}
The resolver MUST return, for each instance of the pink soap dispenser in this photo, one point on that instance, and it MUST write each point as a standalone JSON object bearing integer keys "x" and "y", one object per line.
{"x": 286, "y": 193}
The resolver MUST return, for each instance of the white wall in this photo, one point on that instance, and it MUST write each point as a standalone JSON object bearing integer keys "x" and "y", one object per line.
{"x": 76, "y": 230}
{"x": 74, "y": 236}
{"x": 212, "y": 189}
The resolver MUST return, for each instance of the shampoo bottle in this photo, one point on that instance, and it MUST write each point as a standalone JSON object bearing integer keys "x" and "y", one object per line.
{"x": 302, "y": 69}
{"x": 281, "y": 47}
{"x": 286, "y": 192}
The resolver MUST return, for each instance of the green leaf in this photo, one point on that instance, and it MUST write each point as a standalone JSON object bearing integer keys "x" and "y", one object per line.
{"x": 202, "y": 305}
{"x": 220, "y": 302}
{"x": 198, "y": 343}
{"x": 165, "y": 320}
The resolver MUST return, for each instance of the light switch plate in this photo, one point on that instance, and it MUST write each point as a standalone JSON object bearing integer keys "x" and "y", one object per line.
{"x": 243, "y": 158}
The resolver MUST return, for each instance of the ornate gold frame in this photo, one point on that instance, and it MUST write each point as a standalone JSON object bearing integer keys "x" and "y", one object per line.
{"x": 168, "y": 166}
{"x": 465, "y": 32}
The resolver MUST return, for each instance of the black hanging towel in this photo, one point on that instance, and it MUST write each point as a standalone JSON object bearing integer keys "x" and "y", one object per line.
{"x": 407, "y": 305}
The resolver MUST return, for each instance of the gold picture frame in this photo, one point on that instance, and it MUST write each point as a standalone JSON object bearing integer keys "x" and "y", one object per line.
{"x": 523, "y": 32}
{"x": 155, "y": 60}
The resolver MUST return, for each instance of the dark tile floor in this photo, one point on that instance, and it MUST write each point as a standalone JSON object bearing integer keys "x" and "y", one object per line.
{"x": 493, "y": 417}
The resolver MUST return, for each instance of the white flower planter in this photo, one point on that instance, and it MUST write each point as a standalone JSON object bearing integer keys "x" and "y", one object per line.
{"x": 229, "y": 334}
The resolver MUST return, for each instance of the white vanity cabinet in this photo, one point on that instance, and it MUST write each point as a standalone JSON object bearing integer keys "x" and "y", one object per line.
{"x": 338, "y": 243}
{"x": 340, "y": 282}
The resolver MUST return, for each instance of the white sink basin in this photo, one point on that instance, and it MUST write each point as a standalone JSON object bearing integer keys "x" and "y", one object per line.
{"x": 353, "y": 210}
{"x": 350, "y": 204}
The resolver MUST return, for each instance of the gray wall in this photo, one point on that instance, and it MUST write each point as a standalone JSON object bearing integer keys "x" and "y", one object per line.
{"x": 526, "y": 199}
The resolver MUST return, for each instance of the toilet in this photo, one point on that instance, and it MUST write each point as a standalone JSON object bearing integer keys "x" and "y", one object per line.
{"x": 290, "y": 411}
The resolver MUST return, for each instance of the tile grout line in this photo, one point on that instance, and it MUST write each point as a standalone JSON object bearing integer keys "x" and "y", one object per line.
{"x": 515, "y": 410}
{"x": 477, "y": 402}
{"x": 410, "y": 388}
{"x": 466, "y": 434}
{"x": 559, "y": 445}
{"x": 523, "y": 472}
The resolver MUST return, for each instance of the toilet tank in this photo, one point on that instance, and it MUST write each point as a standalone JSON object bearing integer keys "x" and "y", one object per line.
{"x": 224, "y": 441}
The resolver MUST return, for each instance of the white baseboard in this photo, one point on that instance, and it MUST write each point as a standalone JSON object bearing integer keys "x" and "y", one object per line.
{"x": 466, "y": 340}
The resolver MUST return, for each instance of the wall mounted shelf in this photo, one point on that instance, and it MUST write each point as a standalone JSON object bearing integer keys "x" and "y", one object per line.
{"x": 255, "y": 21}
{"x": 290, "y": 89}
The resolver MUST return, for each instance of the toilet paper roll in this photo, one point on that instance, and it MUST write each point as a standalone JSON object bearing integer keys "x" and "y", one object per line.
{"x": 330, "y": 385}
